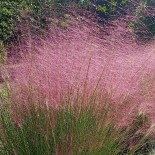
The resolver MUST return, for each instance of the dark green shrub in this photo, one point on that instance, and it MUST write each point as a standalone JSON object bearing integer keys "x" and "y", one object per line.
{"x": 105, "y": 8}
{"x": 37, "y": 13}
{"x": 8, "y": 15}
{"x": 42, "y": 10}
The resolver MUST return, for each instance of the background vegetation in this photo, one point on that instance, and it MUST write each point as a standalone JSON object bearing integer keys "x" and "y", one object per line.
{"x": 144, "y": 24}
{"x": 8, "y": 16}
{"x": 39, "y": 12}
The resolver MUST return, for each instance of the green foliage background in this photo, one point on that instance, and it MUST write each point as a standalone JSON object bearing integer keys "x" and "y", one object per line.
{"x": 38, "y": 11}
{"x": 111, "y": 6}
{"x": 8, "y": 15}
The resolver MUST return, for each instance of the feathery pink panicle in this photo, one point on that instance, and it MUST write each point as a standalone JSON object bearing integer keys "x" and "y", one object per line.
{"x": 85, "y": 50}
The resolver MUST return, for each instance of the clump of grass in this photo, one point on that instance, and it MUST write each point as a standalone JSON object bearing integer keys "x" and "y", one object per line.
{"x": 77, "y": 125}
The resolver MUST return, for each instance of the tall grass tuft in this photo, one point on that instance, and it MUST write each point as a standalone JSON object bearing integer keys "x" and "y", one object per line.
{"x": 79, "y": 125}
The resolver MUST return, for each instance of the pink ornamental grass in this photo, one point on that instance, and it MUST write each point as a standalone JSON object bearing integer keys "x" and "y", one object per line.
{"x": 86, "y": 54}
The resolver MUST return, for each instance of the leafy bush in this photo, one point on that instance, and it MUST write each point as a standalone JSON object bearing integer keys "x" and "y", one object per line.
{"x": 42, "y": 10}
{"x": 38, "y": 12}
{"x": 105, "y": 8}
{"x": 8, "y": 15}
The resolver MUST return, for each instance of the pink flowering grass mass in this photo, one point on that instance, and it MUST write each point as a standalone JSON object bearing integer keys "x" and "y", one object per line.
{"x": 81, "y": 88}
{"x": 89, "y": 58}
